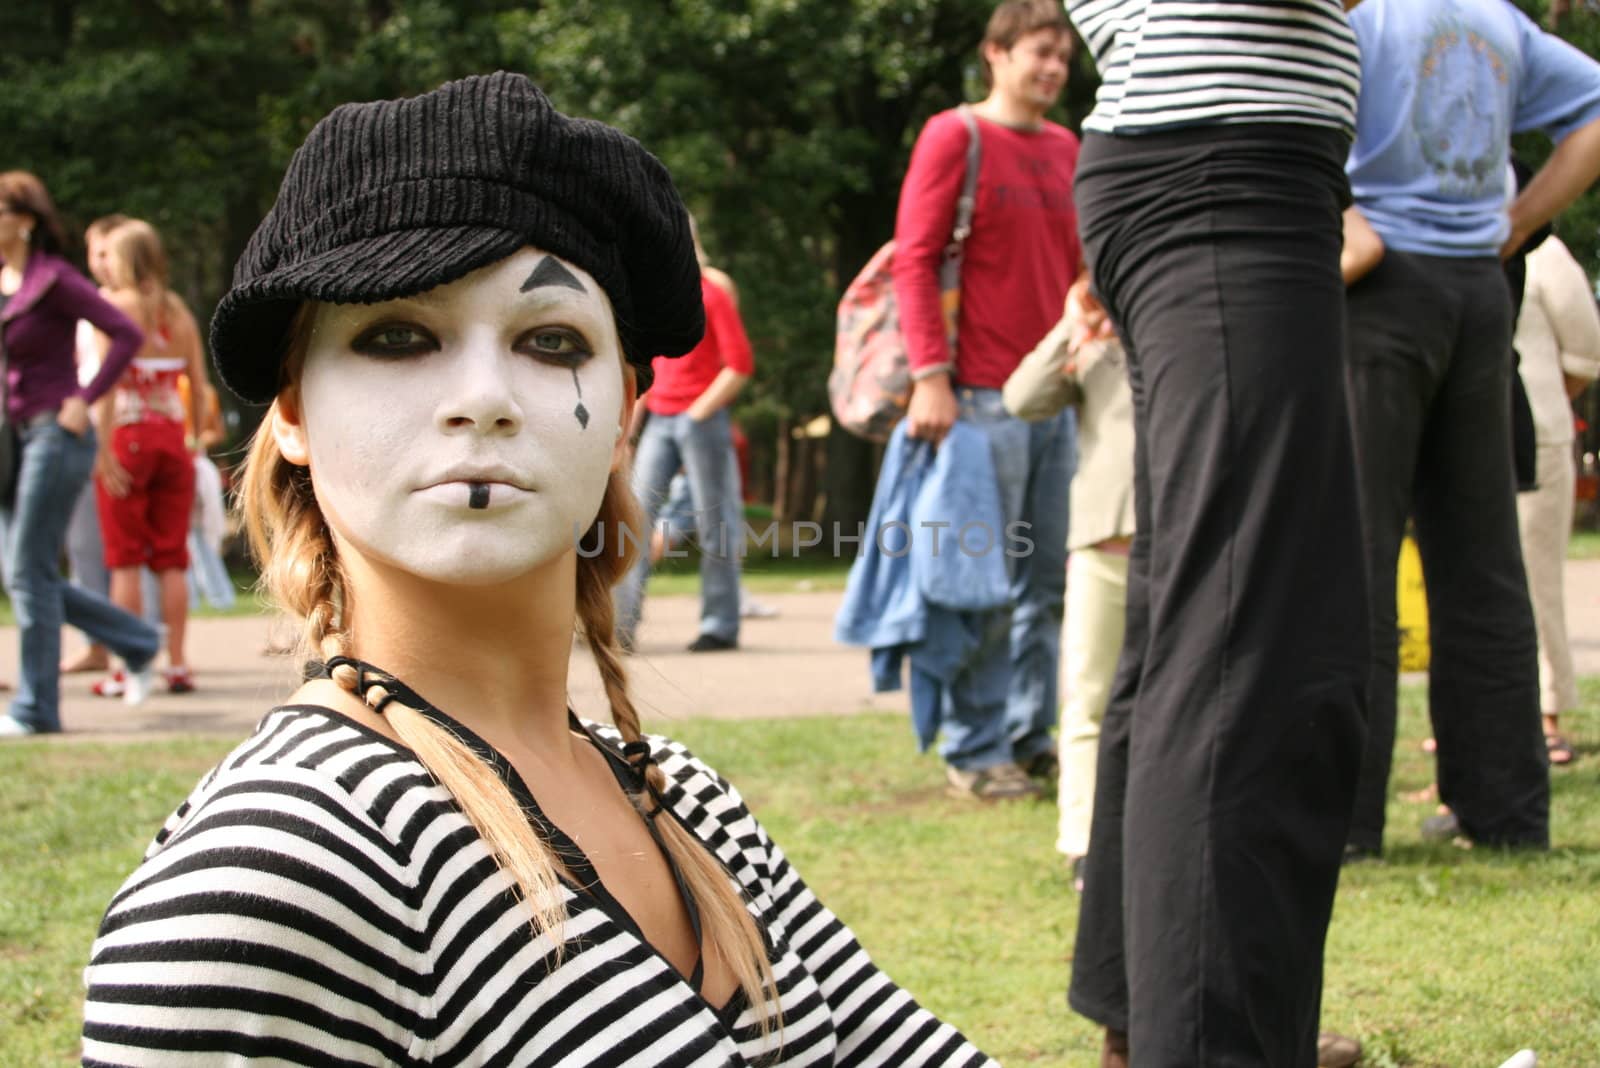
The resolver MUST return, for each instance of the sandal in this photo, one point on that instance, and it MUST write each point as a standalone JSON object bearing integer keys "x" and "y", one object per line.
{"x": 1003, "y": 782}
{"x": 1559, "y": 749}
{"x": 179, "y": 680}
{"x": 1337, "y": 1051}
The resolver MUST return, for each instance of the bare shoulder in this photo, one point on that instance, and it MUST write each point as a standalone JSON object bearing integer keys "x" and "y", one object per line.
{"x": 720, "y": 278}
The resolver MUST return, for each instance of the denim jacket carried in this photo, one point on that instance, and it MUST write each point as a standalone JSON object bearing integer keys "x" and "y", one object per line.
{"x": 932, "y": 558}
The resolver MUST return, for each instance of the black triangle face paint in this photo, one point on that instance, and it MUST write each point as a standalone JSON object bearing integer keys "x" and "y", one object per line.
{"x": 550, "y": 272}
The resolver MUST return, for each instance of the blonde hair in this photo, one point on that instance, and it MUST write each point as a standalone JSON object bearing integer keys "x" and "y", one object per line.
{"x": 300, "y": 570}
{"x": 135, "y": 261}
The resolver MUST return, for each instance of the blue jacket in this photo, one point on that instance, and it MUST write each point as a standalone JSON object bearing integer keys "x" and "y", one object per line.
{"x": 932, "y": 564}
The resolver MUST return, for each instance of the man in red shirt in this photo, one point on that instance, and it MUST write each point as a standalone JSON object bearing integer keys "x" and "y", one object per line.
{"x": 1018, "y": 262}
{"x": 689, "y": 428}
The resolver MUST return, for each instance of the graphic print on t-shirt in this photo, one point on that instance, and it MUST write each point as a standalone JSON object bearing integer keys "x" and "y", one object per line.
{"x": 1460, "y": 125}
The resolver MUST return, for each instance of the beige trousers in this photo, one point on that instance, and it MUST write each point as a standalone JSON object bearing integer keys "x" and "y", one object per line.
{"x": 1097, "y": 598}
{"x": 1545, "y": 517}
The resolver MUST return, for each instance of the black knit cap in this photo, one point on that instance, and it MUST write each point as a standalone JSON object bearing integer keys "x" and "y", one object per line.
{"x": 395, "y": 197}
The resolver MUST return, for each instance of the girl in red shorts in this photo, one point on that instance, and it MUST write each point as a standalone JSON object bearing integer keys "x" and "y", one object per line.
{"x": 144, "y": 474}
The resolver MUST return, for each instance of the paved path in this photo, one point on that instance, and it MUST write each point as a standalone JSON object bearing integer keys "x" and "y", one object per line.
{"x": 788, "y": 666}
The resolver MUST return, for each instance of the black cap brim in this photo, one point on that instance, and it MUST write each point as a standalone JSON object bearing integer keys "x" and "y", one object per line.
{"x": 250, "y": 329}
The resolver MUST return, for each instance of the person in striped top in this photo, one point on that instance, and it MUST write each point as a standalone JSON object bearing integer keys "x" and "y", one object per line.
{"x": 451, "y": 308}
{"x": 1210, "y": 191}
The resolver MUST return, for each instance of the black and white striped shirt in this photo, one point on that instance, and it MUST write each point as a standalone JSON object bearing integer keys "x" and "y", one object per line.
{"x": 1166, "y": 64}
{"x": 320, "y": 900}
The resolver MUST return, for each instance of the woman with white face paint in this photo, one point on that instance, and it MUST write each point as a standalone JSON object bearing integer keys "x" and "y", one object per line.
{"x": 452, "y": 307}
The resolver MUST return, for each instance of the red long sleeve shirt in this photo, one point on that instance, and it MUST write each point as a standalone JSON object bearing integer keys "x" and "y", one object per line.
{"x": 679, "y": 381}
{"x": 1019, "y": 261}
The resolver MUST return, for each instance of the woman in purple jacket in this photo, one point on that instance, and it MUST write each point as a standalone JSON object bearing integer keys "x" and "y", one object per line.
{"x": 41, "y": 300}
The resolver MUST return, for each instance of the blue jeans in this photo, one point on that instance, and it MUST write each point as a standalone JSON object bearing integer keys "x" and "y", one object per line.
{"x": 1002, "y": 707}
{"x": 705, "y": 452}
{"x": 86, "y": 554}
{"x": 208, "y": 575}
{"x": 54, "y": 469}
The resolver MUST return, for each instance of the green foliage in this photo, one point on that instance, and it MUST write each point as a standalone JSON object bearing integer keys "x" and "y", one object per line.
{"x": 786, "y": 122}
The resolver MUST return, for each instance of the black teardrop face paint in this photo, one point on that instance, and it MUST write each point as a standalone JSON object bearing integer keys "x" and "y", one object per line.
{"x": 478, "y": 495}
{"x": 580, "y": 412}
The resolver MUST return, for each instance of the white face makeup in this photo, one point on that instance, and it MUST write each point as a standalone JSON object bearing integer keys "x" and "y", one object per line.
{"x": 463, "y": 435}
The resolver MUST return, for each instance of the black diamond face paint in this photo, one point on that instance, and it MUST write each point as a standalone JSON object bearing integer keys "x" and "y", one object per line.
{"x": 550, "y": 272}
{"x": 478, "y": 495}
{"x": 580, "y": 411}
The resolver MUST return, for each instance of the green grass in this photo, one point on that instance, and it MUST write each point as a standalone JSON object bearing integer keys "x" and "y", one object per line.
{"x": 1585, "y": 545}
{"x": 761, "y": 572}
{"x": 1437, "y": 956}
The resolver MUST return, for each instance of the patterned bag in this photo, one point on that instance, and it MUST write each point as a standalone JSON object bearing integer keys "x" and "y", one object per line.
{"x": 870, "y": 385}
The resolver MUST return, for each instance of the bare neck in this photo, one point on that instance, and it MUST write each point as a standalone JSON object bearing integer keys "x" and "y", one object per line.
{"x": 493, "y": 657}
{"x": 1001, "y": 108}
{"x": 15, "y": 255}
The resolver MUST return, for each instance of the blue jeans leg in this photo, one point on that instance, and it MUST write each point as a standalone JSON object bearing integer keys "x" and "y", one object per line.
{"x": 709, "y": 463}
{"x": 86, "y": 555}
{"x": 654, "y": 463}
{"x": 1039, "y": 587}
{"x": 1002, "y": 706}
{"x": 973, "y": 710}
{"x": 54, "y": 469}
{"x": 208, "y": 575}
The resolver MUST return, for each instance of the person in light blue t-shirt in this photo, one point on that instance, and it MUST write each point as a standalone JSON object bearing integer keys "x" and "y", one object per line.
{"x": 1445, "y": 83}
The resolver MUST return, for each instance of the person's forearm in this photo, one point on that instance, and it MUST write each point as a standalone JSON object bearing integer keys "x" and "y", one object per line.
{"x": 1571, "y": 169}
{"x": 1363, "y": 248}
{"x": 102, "y": 411}
{"x": 719, "y": 394}
{"x": 636, "y": 418}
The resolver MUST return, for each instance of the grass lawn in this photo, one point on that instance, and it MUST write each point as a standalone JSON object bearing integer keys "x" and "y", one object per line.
{"x": 1437, "y": 957}
{"x": 762, "y": 572}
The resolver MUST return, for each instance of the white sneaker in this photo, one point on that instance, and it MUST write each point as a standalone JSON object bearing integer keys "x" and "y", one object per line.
{"x": 136, "y": 685}
{"x": 14, "y": 728}
{"x": 750, "y": 608}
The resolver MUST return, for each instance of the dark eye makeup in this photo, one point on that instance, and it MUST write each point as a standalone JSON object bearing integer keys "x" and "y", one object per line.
{"x": 390, "y": 338}
{"x": 561, "y": 346}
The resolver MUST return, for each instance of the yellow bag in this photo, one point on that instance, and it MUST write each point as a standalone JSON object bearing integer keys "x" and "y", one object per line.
{"x": 1412, "y": 602}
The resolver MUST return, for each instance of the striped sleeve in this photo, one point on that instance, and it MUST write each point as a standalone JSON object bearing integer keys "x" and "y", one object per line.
{"x": 872, "y": 1020}
{"x": 274, "y": 924}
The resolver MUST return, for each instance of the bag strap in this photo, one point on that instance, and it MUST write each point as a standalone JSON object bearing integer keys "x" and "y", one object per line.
{"x": 967, "y": 203}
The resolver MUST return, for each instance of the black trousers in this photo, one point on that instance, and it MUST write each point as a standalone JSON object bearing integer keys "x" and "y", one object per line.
{"x": 1230, "y": 749}
{"x": 1430, "y": 397}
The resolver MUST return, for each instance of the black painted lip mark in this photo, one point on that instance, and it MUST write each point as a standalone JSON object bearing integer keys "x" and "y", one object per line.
{"x": 478, "y": 495}
{"x": 551, "y": 272}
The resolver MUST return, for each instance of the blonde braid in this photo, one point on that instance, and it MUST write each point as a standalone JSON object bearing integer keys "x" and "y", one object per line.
{"x": 729, "y": 931}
